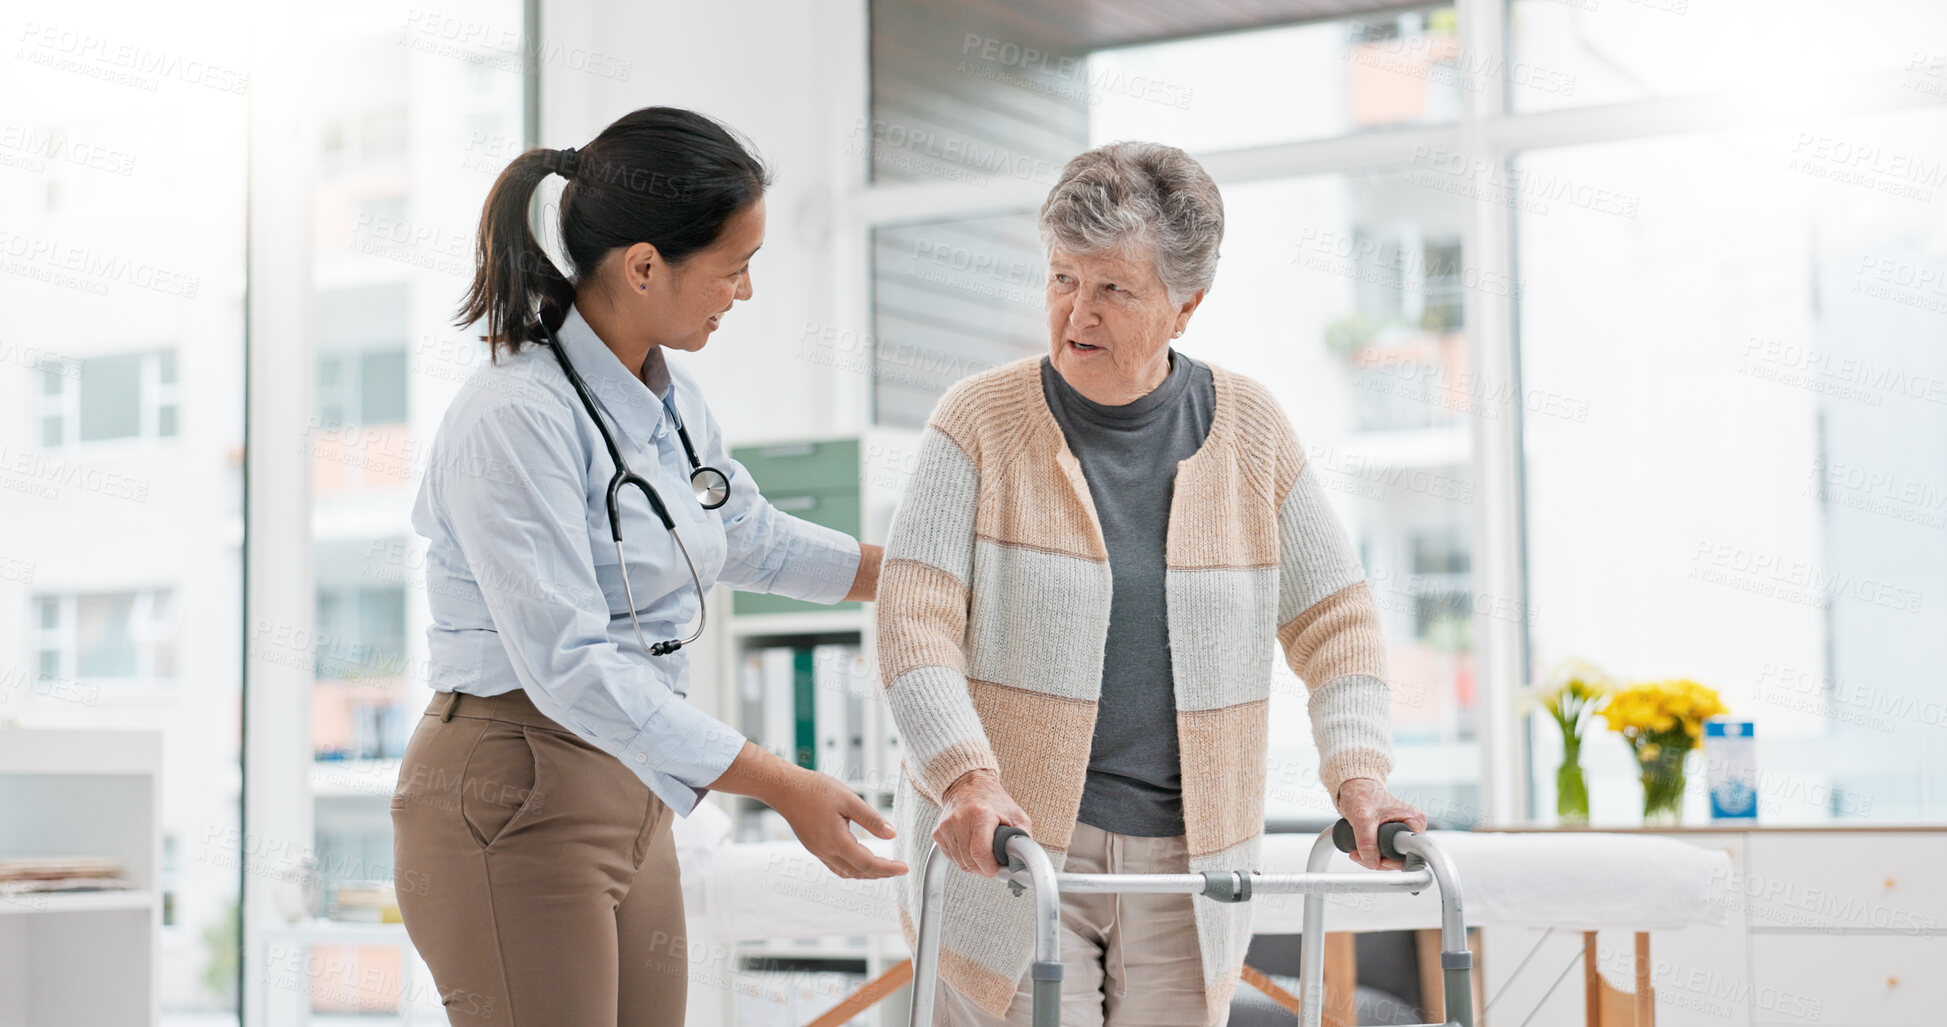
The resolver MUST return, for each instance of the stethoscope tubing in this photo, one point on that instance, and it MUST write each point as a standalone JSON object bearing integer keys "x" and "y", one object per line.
{"x": 712, "y": 488}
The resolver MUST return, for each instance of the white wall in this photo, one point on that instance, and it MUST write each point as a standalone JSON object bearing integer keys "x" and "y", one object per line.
{"x": 793, "y": 89}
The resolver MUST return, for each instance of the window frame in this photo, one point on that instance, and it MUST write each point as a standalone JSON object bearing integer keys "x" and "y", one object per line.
{"x": 145, "y": 630}
{"x": 153, "y": 396}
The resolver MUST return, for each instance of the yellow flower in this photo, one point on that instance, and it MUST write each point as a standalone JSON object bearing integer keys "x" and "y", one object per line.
{"x": 1650, "y": 714}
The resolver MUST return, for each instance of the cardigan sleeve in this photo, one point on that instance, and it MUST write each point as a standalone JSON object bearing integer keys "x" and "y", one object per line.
{"x": 1328, "y": 625}
{"x": 924, "y": 593}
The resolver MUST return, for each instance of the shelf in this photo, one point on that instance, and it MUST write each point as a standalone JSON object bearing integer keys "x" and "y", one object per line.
{"x": 75, "y": 902}
{"x": 820, "y": 622}
{"x": 56, "y": 751}
{"x": 82, "y": 957}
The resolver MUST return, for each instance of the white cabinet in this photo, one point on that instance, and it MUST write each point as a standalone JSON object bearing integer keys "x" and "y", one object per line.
{"x": 1845, "y": 927}
{"x": 1848, "y": 980}
{"x": 81, "y": 957}
{"x": 1849, "y": 881}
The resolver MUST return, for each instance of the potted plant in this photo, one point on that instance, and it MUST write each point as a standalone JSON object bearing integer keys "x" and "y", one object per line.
{"x": 1662, "y": 721}
{"x": 1577, "y": 689}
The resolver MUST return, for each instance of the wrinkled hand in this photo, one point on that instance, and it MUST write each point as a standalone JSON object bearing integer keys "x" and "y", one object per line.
{"x": 976, "y": 807}
{"x": 1365, "y": 804}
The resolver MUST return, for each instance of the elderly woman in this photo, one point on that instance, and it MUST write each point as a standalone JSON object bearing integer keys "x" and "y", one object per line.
{"x": 1075, "y": 616}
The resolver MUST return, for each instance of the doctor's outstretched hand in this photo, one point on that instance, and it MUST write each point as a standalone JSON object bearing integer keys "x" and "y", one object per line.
{"x": 1365, "y": 804}
{"x": 820, "y": 809}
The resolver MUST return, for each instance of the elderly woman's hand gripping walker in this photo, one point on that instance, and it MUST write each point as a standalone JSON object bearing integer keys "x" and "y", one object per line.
{"x": 1079, "y": 596}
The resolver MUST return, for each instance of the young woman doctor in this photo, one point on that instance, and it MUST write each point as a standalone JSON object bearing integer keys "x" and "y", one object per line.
{"x": 577, "y": 499}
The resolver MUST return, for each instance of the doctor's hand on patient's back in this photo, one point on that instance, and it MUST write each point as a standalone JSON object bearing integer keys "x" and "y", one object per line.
{"x": 1365, "y": 803}
{"x": 820, "y": 809}
{"x": 976, "y": 806}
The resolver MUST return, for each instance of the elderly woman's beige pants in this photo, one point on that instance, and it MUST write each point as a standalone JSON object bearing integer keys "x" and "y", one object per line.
{"x": 1127, "y": 960}
{"x": 536, "y": 874}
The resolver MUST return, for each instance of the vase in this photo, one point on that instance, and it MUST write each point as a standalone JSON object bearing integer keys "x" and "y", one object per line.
{"x": 1571, "y": 787}
{"x": 1662, "y": 776}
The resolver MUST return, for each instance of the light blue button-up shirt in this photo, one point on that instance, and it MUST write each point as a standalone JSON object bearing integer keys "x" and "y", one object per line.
{"x": 521, "y": 571}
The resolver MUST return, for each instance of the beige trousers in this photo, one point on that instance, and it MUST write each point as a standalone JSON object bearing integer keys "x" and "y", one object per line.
{"x": 536, "y": 874}
{"x": 1127, "y": 960}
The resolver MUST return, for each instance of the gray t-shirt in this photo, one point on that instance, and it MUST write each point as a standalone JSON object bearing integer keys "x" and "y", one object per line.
{"x": 1129, "y": 455}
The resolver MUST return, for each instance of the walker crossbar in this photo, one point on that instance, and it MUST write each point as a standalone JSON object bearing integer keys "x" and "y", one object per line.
{"x": 1027, "y": 867}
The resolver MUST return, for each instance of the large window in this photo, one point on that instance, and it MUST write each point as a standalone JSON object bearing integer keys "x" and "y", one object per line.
{"x": 1773, "y": 524}
{"x": 122, "y": 177}
{"x": 418, "y": 110}
{"x": 1791, "y": 52}
{"x": 1341, "y": 292}
{"x": 1652, "y": 381}
{"x": 1328, "y": 294}
{"x": 127, "y": 186}
{"x": 1324, "y": 78}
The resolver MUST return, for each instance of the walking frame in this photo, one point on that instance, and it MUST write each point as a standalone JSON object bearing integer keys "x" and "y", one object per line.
{"x": 1027, "y": 867}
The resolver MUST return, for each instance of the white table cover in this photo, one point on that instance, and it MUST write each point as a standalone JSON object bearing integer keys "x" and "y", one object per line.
{"x": 1573, "y": 881}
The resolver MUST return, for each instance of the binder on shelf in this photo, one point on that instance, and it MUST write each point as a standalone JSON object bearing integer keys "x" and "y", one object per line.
{"x": 857, "y": 693}
{"x": 778, "y": 728}
{"x": 831, "y": 667}
{"x": 750, "y": 697}
{"x": 804, "y": 692}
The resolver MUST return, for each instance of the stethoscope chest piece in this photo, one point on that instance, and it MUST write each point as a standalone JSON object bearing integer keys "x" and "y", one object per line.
{"x": 712, "y": 487}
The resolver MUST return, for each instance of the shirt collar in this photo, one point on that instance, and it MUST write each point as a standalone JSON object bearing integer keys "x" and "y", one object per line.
{"x": 624, "y": 396}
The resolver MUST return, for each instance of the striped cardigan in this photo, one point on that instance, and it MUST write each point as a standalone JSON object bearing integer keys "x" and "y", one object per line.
{"x": 993, "y": 609}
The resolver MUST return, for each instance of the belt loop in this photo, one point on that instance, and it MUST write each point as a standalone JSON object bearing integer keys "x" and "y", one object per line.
{"x": 452, "y": 704}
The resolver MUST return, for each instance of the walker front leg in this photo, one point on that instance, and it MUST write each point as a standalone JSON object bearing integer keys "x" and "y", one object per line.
{"x": 1015, "y": 852}
{"x": 1396, "y": 842}
{"x": 926, "y": 948}
{"x": 1456, "y": 959}
{"x": 1311, "y": 951}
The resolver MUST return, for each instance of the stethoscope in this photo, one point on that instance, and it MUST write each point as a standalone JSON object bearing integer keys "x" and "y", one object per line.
{"x": 712, "y": 488}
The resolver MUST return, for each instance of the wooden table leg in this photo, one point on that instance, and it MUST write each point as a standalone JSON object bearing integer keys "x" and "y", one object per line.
{"x": 869, "y": 994}
{"x": 1433, "y": 994}
{"x": 1258, "y": 979}
{"x": 1591, "y": 984}
{"x": 1645, "y": 993}
{"x": 1609, "y": 1007}
{"x": 1341, "y": 977}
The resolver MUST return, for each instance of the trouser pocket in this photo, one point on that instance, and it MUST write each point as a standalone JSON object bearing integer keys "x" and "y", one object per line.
{"x": 499, "y": 784}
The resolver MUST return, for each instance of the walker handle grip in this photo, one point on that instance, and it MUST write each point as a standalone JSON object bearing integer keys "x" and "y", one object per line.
{"x": 1001, "y": 835}
{"x": 1342, "y": 837}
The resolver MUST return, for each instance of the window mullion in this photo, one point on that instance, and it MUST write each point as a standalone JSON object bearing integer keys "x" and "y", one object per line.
{"x": 1489, "y": 314}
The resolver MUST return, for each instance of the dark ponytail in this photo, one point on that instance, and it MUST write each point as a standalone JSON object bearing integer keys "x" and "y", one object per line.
{"x": 662, "y": 175}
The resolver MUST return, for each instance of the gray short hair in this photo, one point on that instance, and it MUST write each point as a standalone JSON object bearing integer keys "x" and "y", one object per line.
{"x": 1143, "y": 193}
